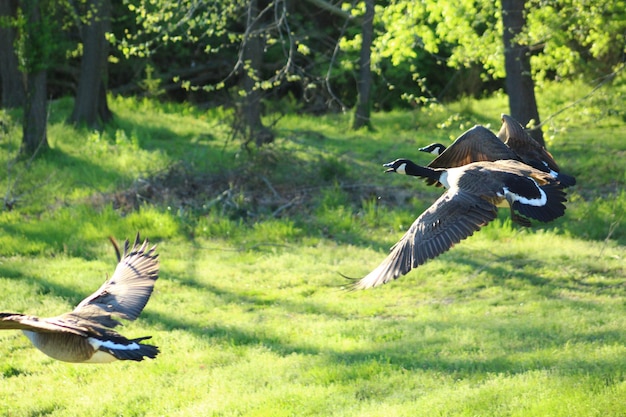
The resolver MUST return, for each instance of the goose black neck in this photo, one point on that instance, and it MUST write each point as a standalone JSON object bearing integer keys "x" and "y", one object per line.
{"x": 415, "y": 170}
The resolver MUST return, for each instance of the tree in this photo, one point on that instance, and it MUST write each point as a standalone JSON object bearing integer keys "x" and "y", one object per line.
{"x": 36, "y": 57}
{"x": 520, "y": 87}
{"x": 90, "y": 106}
{"x": 567, "y": 38}
{"x": 13, "y": 93}
{"x": 364, "y": 80}
{"x": 252, "y": 58}
{"x": 240, "y": 27}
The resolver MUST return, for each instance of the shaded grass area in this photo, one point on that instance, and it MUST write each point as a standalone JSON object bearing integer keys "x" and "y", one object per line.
{"x": 249, "y": 310}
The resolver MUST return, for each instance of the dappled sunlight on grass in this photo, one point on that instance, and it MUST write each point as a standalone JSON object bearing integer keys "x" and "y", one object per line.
{"x": 251, "y": 311}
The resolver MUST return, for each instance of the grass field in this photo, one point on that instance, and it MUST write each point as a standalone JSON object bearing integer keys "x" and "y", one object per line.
{"x": 249, "y": 311}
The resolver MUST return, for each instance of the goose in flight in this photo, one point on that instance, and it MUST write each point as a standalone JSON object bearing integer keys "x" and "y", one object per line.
{"x": 86, "y": 335}
{"x": 473, "y": 192}
{"x": 480, "y": 144}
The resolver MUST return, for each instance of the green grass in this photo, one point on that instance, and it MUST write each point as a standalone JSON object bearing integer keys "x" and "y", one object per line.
{"x": 249, "y": 310}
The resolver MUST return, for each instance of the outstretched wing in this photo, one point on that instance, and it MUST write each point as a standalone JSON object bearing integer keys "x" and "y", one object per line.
{"x": 48, "y": 325}
{"x": 452, "y": 218}
{"x": 513, "y": 134}
{"x": 476, "y": 144}
{"x": 127, "y": 292}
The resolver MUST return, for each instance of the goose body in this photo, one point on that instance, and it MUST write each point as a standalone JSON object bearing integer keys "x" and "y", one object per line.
{"x": 473, "y": 193}
{"x": 86, "y": 335}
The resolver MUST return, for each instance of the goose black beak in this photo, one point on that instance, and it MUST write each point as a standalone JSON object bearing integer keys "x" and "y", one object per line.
{"x": 390, "y": 167}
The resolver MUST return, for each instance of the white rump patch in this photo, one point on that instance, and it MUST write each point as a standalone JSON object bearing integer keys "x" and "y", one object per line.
{"x": 537, "y": 202}
{"x": 104, "y": 357}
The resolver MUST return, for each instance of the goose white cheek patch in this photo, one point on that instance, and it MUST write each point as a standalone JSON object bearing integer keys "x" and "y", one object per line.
{"x": 401, "y": 169}
{"x": 437, "y": 150}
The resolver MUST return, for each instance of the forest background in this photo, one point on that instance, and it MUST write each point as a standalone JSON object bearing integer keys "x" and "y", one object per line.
{"x": 259, "y": 57}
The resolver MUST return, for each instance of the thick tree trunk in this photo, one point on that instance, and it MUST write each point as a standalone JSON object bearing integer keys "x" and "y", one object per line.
{"x": 35, "y": 118}
{"x": 253, "y": 58}
{"x": 13, "y": 92}
{"x": 90, "y": 106}
{"x": 519, "y": 83}
{"x": 364, "y": 82}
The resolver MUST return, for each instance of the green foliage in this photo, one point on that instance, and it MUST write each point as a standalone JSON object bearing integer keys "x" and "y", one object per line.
{"x": 423, "y": 52}
{"x": 41, "y": 43}
{"x": 439, "y": 27}
{"x": 569, "y": 39}
{"x": 579, "y": 37}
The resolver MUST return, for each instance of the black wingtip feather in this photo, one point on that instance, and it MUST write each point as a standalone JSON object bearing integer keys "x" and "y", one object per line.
{"x": 352, "y": 285}
{"x": 144, "y": 351}
{"x": 116, "y": 247}
{"x": 566, "y": 180}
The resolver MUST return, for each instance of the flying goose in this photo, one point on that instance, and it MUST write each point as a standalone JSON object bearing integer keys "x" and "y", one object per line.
{"x": 474, "y": 145}
{"x": 85, "y": 335}
{"x": 480, "y": 144}
{"x": 473, "y": 192}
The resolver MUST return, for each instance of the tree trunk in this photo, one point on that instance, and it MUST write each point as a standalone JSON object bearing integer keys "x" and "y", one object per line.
{"x": 90, "y": 106}
{"x": 35, "y": 118}
{"x": 13, "y": 92}
{"x": 364, "y": 82}
{"x": 253, "y": 58}
{"x": 519, "y": 83}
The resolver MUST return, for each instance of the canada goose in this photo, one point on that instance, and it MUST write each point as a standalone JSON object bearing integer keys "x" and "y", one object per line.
{"x": 85, "y": 334}
{"x": 480, "y": 144}
{"x": 474, "y": 145}
{"x": 513, "y": 134}
{"x": 472, "y": 194}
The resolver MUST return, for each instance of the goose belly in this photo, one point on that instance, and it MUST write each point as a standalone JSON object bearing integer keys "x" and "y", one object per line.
{"x": 502, "y": 203}
{"x": 61, "y": 346}
{"x": 101, "y": 357}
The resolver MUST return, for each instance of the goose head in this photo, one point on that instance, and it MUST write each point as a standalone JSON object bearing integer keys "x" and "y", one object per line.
{"x": 433, "y": 148}
{"x": 398, "y": 166}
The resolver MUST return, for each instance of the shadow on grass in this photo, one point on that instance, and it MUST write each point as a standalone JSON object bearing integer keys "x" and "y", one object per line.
{"x": 51, "y": 237}
{"x": 424, "y": 344}
{"x": 434, "y": 354}
{"x": 535, "y": 351}
{"x": 202, "y": 150}
{"x": 506, "y": 271}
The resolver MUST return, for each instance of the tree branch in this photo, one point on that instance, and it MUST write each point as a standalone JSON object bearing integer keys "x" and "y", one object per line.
{"x": 322, "y": 4}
